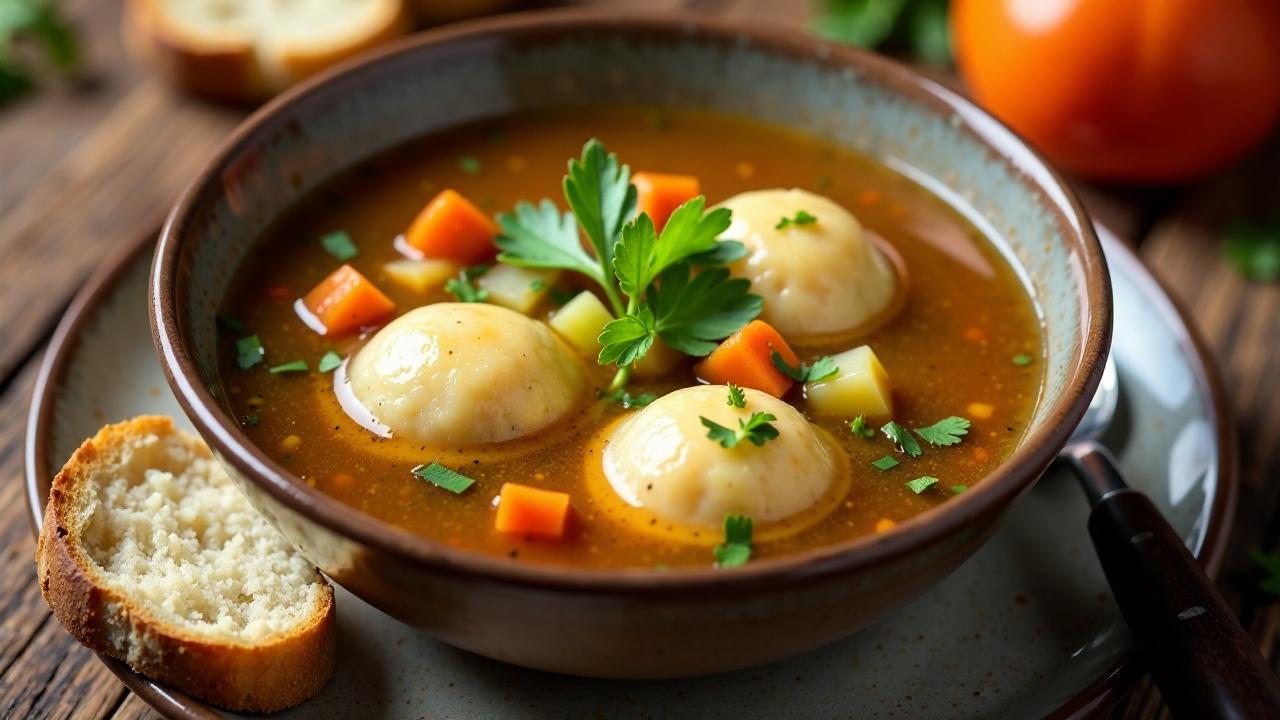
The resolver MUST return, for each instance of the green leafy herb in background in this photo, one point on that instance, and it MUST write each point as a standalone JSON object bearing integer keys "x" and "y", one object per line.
{"x": 915, "y": 27}
{"x": 1271, "y": 563}
{"x": 40, "y": 22}
{"x": 1254, "y": 251}
{"x": 463, "y": 286}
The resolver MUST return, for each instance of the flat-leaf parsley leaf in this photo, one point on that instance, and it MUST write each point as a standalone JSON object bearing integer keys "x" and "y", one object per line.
{"x": 339, "y": 245}
{"x": 885, "y": 463}
{"x": 736, "y": 548}
{"x": 249, "y": 352}
{"x": 821, "y": 369}
{"x": 737, "y": 398}
{"x": 755, "y": 429}
{"x": 921, "y": 483}
{"x": 902, "y": 439}
{"x": 858, "y": 426}
{"x": 463, "y": 286}
{"x": 947, "y": 431}
{"x": 330, "y": 361}
{"x": 800, "y": 218}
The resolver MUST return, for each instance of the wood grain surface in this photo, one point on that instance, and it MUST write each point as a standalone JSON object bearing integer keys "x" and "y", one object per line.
{"x": 83, "y": 169}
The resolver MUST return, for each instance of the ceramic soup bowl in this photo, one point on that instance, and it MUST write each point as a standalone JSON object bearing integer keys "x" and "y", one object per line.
{"x": 630, "y": 623}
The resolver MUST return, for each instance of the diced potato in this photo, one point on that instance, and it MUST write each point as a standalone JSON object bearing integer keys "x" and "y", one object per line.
{"x": 580, "y": 322}
{"x": 861, "y": 387}
{"x": 517, "y": 288}
{"x": 420, "y": 275}
{"x": 660, "y": 360}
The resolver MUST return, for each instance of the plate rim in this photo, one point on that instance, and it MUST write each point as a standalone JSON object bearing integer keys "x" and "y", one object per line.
{"x": 1102, "y": 692}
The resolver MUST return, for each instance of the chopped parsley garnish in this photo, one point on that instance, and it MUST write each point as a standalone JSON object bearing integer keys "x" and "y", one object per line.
{"x": 464, "y": 288}
{"x": 627, "y": 400}
{"x": 947, "y": 431}
{"x": 647, "y": 277}
{"x": 957, "y": 489}
{"x": 860, "y": 428}
{"x": 821, "y": 369}
{"x": 885, "y": 463}
{"x": 330, "y": 361}
{"x": 1022, "y": 360}
{"x": 1254, "y": 251}
{"x": 755, "y": 429}
{"x": 921, "y": 483}
{"x": 250, "y": 420}
{"x": 736, "y": 548}
{"x": 249, "y": 352}
{"x": 230, "y": 324}
{"x": 902, "y": 439}
{"x": 537, "y": 285}
{"x": 289, "y": 367}
{"x": 737, "y": 398}
{"x": 339, "y": 245}
{"x": 470, "y": 165}
{"x": 443, "y": 477}
{"x": 800, "y": 218}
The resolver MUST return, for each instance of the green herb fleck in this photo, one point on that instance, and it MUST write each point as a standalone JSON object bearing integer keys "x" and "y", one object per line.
{"x": 885, "y": 463}
{"x": 537, "y": 285}
{"x": 921, "y": 483}
{"x": 464, "y": 288}
{"x": 755, "y": 429}
{"x": 339, "y": 245}
{"x": 821, "y": 369}
{"x": 859, "y": 427}
{"x": 230, "y": 324}
{"x": 800, "y": 218}
{"x": 289, "y": 367}
{"x": 1271, "y": 563}
{"x": 736, "y": 548}
{"x": 330, "y": 361}
{"x": 249, "y": 352}
{"x": 947, "y": 431}
{"x": 250, "y": 420}
{"x": 1022, "y": 360}
{"x": 917, "y": 27}
{"x": 737, "y": 398}
{"x": 42, "y": 23}
{"x": 902, "y": 439}
{"x": 957, "y": 489}
{"x": 627, "y": 400}
{"x": 1254, "y": 251}
{"x": 469, "y": 165}
{"x": 443, "y": 477}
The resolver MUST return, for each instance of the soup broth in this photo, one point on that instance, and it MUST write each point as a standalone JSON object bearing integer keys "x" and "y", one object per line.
{"x": 965, "y": 341}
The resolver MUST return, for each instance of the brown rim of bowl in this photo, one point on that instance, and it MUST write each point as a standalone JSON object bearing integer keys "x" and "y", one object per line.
{"x": 987, "y": 498}
{"x": 1122, "y": 674}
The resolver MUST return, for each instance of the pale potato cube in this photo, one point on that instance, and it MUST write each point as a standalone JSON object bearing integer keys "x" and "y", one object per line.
{"x": 420, "y": 275}
{"x": 860, "y": 387}
{"x": 580, "y": 322}
{"x": 659, "y": 361}
{"x": 517, "y": 288}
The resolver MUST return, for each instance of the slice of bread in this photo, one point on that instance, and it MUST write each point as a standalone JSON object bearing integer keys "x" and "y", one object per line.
{"x": 151, "y": 555}
{"x": 247, "y": 50}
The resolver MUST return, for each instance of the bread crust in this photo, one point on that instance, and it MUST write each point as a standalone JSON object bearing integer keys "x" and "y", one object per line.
{"x": 259, "y": 678}
{"x": 234, "y": 70}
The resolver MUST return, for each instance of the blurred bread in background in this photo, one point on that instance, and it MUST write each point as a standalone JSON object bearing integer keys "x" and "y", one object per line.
{"x": 244, "y": 51}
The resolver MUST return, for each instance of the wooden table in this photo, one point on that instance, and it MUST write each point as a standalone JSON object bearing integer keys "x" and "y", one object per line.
{"x": 83, "y": 171}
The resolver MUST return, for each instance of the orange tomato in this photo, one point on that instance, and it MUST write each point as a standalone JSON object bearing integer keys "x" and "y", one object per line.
{"x": 1127, "y": 90}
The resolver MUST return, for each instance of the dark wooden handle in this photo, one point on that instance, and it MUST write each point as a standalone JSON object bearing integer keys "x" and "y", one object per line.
{"x": 1205, "y": 664}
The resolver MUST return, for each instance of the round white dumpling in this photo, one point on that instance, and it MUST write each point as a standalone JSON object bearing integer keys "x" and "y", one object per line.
{"x": 465, "y": 374}
{"x": 819, "y": 276}
{"x": 661, "y": 459}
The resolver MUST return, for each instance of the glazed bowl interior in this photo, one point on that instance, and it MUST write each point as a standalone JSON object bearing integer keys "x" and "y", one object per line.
{"x": 504, "y": 67}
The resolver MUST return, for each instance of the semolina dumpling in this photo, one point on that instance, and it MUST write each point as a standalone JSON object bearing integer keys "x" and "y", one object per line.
{"x": 466, "y": 374}
{"x": 661, "y": 459}
{"x": 819, "y": 275}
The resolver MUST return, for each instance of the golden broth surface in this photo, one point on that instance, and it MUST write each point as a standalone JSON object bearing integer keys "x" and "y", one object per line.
{"x": 965, "y": 317}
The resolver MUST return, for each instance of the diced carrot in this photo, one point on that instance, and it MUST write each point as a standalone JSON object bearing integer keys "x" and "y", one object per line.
{"x": 745, "y": 359}
{"x": 885, "y": 525}
{"x": 981, "y": 454}
{"x": 975, "y": 334}
{"x": 658, "y": 194}
{"x": 347, "y": 301}
{"x": 450, "y": 227}
{"x": 532, "y": 511}
{"x": 980, "y": 410}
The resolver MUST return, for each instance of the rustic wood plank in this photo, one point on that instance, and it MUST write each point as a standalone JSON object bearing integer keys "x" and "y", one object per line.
{"x": 134, "y": 708}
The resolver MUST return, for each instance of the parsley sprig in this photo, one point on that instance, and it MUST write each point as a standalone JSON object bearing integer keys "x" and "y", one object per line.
{"x": 947, "y": 431}
{"x": 736, "y": 548}
{"x": 800, "y": 218}
{"x": 464, "y": 288}
{"x": 821, "y": 369}
{"x": 756, "y": 429}
{"x": 646, "y": 276}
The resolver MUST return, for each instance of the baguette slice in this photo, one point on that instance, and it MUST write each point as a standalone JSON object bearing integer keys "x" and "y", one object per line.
{"x": 244, "y": 51}
{"x": 151, "y": 555}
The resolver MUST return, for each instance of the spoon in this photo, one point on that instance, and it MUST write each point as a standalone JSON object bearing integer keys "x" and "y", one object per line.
{"x": 1202, "y": 660}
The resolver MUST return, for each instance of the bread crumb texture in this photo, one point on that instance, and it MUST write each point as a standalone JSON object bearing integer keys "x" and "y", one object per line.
{"x": 164, "y": 525}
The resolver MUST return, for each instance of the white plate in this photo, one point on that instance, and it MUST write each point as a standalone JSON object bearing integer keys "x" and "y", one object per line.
{"x": 1026, "y": 628}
